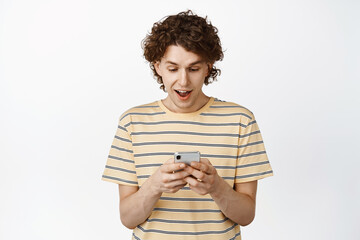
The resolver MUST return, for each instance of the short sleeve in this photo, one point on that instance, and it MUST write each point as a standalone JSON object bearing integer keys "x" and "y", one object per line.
{"x": 252, "y": 161}
{"x": 120, "y": 165}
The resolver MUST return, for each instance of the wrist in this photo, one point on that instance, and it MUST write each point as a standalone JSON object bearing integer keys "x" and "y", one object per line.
{"x": 152, "y": 188}
{"x": 220, "y": 188}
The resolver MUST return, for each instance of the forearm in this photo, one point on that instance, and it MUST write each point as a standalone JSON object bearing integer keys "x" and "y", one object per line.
{"x": 136, "y": 208}
{"x": 238, "y": 207}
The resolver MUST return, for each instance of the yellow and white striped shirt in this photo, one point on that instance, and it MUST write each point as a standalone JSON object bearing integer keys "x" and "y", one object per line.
{"x": 148, "y": 135}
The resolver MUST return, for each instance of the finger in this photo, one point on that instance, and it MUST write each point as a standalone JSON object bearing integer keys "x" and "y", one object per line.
{"x": 175, "y": 184}
{"x": 173, "y": 176}
{"x": 175, "y": 189}
{"x": 177, "y": 175}
{"x": 169, "y": 161}
{"x": 193, "y": 182}
{"x": 199, "y": 175}
{"x": 204, "y": 166}
{"x": 205, "y": 160}
{"x": 172, "y": 167}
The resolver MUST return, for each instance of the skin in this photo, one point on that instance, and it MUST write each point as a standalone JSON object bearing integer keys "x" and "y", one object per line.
{"x": 238, "y": 204}
{"x": 184, "y": 70}
{"x": 137, "y": 204}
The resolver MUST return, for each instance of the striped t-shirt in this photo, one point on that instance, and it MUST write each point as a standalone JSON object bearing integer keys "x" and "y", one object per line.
{"x": 223, "y": 132}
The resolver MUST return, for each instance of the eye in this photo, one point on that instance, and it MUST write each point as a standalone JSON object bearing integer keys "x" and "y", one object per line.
{"x": 193, "y": 69}
{"x": 172, "y": 69}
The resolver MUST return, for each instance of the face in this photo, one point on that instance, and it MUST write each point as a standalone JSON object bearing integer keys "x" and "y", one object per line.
{"x": 183, "y": 74}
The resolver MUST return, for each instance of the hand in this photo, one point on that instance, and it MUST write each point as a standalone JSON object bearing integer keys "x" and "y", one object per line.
{"x": 204, "y": 178}
{"x": 168, "y": 178}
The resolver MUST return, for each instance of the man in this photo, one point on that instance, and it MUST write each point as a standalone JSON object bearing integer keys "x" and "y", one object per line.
{"x": 161, "y": 199}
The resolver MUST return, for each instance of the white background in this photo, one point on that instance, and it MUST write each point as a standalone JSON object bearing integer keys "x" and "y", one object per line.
{"x": 69, "y": 68}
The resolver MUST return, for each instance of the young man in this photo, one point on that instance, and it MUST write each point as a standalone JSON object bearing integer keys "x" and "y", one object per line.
{"x": 161, "y": 199}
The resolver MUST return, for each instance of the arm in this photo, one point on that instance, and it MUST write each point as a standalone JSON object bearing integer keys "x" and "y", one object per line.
{"x": 238, "y": 204}
{"x": 136, "y": 204}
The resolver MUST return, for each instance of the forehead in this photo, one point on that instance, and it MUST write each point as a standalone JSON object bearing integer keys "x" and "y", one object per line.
{"x": 180, "y": 56}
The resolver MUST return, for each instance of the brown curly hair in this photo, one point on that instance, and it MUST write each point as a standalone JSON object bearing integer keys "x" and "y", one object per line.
{"x": 188, "y": 30}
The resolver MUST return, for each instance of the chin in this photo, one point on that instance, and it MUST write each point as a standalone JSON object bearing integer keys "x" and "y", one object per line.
{"x": 186, "y": 106}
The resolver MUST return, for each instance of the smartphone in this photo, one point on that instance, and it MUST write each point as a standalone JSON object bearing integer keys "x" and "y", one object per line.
{"x": 186, "y": 157}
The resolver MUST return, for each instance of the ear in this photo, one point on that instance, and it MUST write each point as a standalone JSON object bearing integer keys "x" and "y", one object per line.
{"x": 157, "y": 68}
{"x": 210, "y": 65}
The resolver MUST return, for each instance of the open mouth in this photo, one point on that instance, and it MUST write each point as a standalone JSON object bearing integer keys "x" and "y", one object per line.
{"x": 183, "y": 94}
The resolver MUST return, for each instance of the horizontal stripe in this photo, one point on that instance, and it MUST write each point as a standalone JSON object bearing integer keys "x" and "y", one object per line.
{"x": 122, "y": 149}
{"x": 120, "y": 169}
{"x": 253, "y": 175}
{"x": 121, "y": 159}
{"x": 187, "y": 233}
{"x": 233, "y": 238}
{"x": 197, "y": 144}
{"x": 171, "y": 154}
{"x": 252, "y": 164}
{"x": 154, "y": 154}
{"x": 187, "y": 210}
{"x": 251, "y": 123}
{"x": 210, "y": 155}
{"x": 249, "y": 134}
{"x": 251, "y": 144}
{"x": 218, "y": 156}
{"x": 202, "y": 155}
{"x": 148, "y": 165}
{"x": 236, "y": 235}
{"x": 187, "y": 133}
{"x": 186, "y": 222}
{"x": 186, "y": 122}
{"x": 224, "y": 167}
{"x": 119, "y": 179}
{"x": 252, "y": 154}
{"x": 228, "y": 107}
{"x": 186, "y": 144}
{"x": 122, "y": 128}
{"x": 225, "y": 114}
{"x": 147, "y": 176}
{"x": 154, "y": 106}
{"x": 136, "y": 237}
{"x": 143, "y": 176}
{"x": 228, "y": 178}
{"x": 187, "y": 199}
{"x": 198, "y": 134}
{"x": 217, "y": 167}
{"x": 142, "y": 114}
{"x": 123, "y": 139}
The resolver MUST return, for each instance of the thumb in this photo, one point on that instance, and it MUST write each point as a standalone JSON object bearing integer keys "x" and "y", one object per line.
{"x": 170, "y": 160}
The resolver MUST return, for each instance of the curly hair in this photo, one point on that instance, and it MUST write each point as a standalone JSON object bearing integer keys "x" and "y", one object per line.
{"x": 190, "y": 31}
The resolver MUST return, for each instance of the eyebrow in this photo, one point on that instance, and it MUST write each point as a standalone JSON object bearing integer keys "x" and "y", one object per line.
{"x": 191, "y": 64}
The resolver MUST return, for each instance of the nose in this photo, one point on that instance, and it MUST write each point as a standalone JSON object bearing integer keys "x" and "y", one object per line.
{"x": 183, "y": 78}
